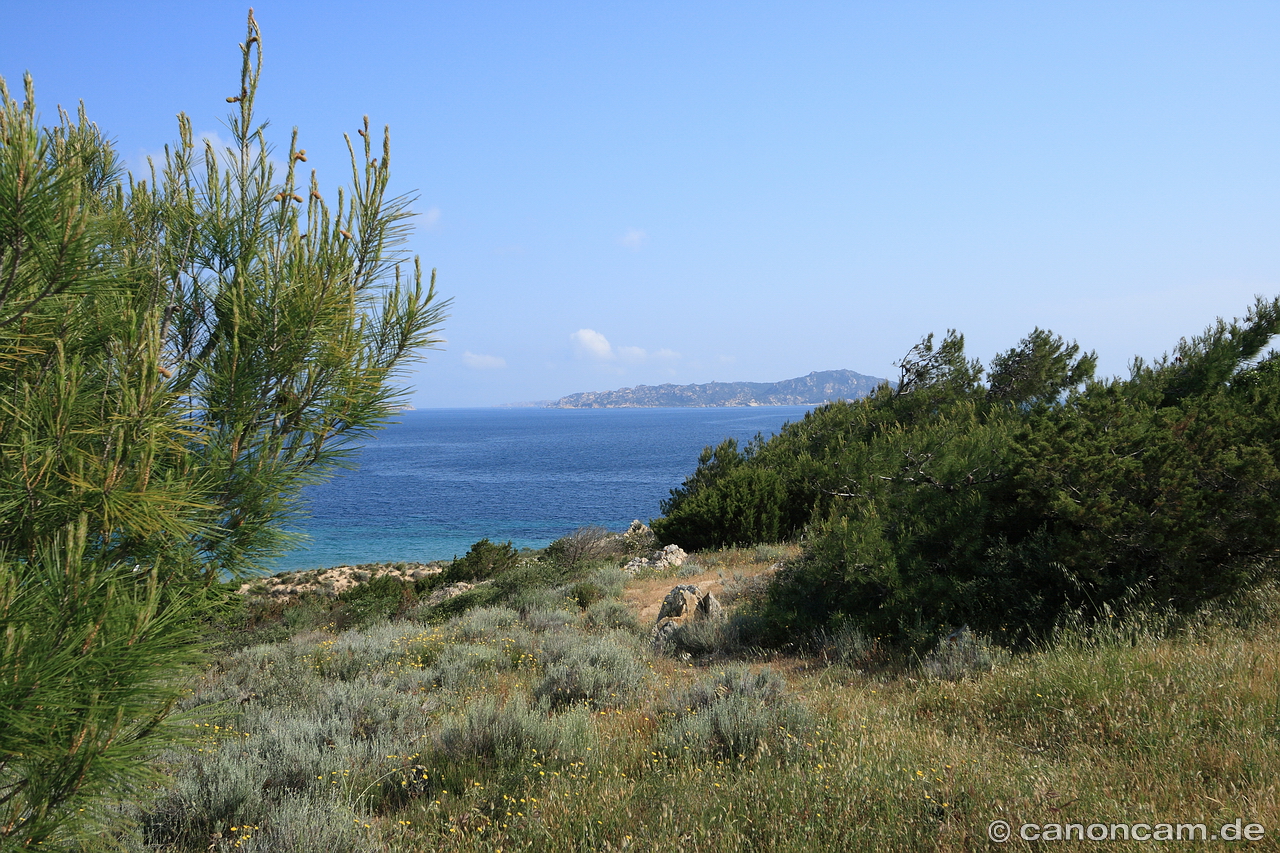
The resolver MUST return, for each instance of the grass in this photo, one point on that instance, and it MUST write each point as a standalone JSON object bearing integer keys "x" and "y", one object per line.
{"x": 537, "y": 724}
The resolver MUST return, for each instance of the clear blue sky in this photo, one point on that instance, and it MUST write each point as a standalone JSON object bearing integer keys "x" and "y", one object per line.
{"x": 626, "y": 193}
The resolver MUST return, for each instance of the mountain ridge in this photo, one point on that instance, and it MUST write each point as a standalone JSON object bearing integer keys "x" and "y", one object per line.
{"x": 814, "y": 389}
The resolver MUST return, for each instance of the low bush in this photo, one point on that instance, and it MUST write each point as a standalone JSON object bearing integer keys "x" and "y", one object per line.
{"x": 459, "y": 663}
{"x": 611, "y": 579}
{"x": 507, "y": 734}
{"x": 610, "y": 615}
{"x": 689, "y": 570}
{"x": 703, "y": 637}
{"x": 584, "y": 594}
{"x": 846, "y": 644}
{"x": 602, "y": 671}
{"x": 546, "y": 619}
{"x": 535, "y": 574}
{"x": 482, "y": 622}
{"x": 483, "y": 595}
{"x": 582, "y": 546}
{"x": 368, "y": 602}
{"x": 740, "y": 505}
{"x": 304, "y": 824}
{"x": 737, "y": 715}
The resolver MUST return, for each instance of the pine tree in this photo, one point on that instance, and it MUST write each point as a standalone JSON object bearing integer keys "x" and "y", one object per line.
{"x": 286, "y": 321}
{"x": 178, "y": 358}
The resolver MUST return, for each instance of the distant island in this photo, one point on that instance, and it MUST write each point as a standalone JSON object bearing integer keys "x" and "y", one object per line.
{"x": 813, "y": 390}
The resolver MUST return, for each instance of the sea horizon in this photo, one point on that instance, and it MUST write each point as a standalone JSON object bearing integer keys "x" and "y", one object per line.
{"x": 436, "y": 480}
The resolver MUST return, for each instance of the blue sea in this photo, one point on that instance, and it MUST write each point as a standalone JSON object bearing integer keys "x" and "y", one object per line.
{"x": 429, "y": 486}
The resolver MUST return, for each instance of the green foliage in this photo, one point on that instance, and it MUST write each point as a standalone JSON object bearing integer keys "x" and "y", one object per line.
{"x": 741, "y": 506}
{"x": 483, "y": 561}
{"x": 88, "y": 676}
{"x": 1039, "y": 370}
{"x": 533, "y": 575}
{"x": 96, "y": 632}
{"x": 287, "y": 320}
{"x": 179, "y": 357}
{"x": 88, "y": 427}
{"x": 585, "y": 593}
{"x": 1007, "y": 506}
{"x": 379, "y": 598}
{"x": 483, "y": 595}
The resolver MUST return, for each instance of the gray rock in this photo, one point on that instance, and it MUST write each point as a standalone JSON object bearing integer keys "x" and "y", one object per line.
{"x": 685, "y": 603}
{"x": 669, "y": 557}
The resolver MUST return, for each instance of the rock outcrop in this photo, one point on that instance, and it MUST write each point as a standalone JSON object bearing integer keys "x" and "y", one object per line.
{"x": 638, "y": 538}
{"x": 666, "y": 558}
{"x": 685, "y": 603}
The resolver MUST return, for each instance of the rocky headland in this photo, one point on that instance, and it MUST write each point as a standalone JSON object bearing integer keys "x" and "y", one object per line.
{"x": 815, "y": 389}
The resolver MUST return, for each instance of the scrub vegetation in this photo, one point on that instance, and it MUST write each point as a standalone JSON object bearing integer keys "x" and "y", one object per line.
{"x": 512, "y": 726}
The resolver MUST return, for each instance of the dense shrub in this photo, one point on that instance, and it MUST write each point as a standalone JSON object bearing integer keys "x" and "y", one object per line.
{"x": 741, "y": 506}
{"x": 484, "y": 560}
{"x": 303, "y": 824}
{"x": 585, "y": 593}
{"x": 459, "y": 663}
{"x": 702, "y": 637}
{"x": 543, "y": 619}
{"x": 610, "y": 615}
{"x": 368, "y": 602}
{"x": 1011, "y": 504}
{"x": 485, "y": 622}
{"x": 483, "y": 595}
{"x": 961, "y": 654}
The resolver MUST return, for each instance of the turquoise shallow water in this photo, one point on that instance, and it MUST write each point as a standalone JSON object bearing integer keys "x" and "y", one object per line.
{"x": 427, "y": 487}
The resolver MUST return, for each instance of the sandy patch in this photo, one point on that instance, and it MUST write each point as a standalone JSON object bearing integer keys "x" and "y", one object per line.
{"x": 645, "y": 595}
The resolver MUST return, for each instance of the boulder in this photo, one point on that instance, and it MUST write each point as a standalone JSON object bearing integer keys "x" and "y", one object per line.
{"x": 685, "y": 603}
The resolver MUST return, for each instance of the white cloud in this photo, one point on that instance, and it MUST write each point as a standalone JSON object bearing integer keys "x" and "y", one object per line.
{"x": 592, "y": 344}
{"x": 632, "y": 353}
{"x": 634, "y": 238}
{"x": 430, "y": 219}
{"x": 483, "y": 362}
